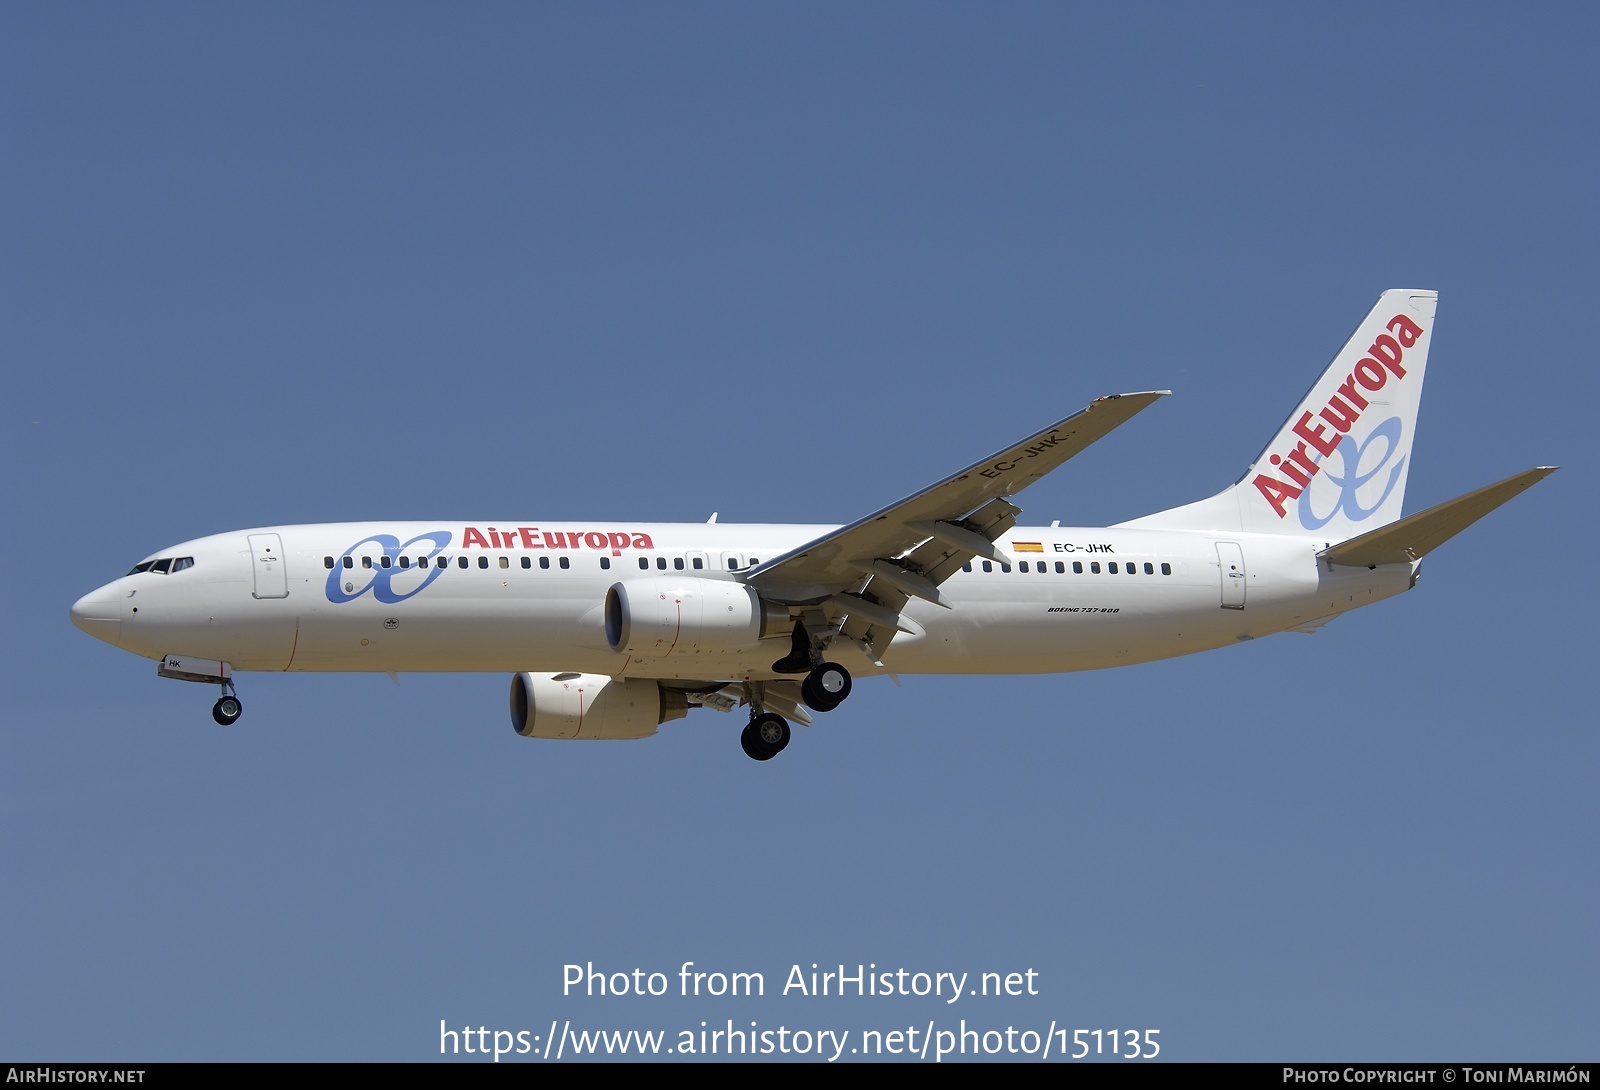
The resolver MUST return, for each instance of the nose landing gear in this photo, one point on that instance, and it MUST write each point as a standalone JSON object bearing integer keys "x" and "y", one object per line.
{"x": 227, "y": 710}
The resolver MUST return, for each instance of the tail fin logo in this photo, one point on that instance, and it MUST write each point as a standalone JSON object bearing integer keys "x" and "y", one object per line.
{"x": 1350, "y": 480}
{"x": 1330, "y": 430}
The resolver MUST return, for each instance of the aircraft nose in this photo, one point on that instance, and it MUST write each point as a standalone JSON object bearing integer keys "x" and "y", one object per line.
{"x": 99, "y": 613}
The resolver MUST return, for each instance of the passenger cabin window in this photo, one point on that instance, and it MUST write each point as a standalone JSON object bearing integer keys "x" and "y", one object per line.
{"x": 405, "y": 561}
{"x": 698, "y": 563}
{"x": 366, "y": 561}
{"x": 461, "y": 561}
{"x": 967, "y": 566}
{"x": 661, "y": 563}
{"x": 1149, "y": 568}
{"x": 544, "y": 563}
{"x": 987, "y": 566}
{"x": 1112, "y": 567}
{"x": 1061, "y": 567}
{"x": 1094, "y": 567}
{"x": 1166, "y": 569}
{"x": 422, "y": 562}
{"x": 565, "y": 563}
{"x": 677, "y": 562}
{"x": 483, "y": 562}
{"x": 527, "y": 562}
{"x": 1077, "y": 567}
{"x": 1023, "y": 567}
{"x": 644, "y": 564}
{"x": 327, "y": 562}
{"x": 386, "y": 561}
{"x": 1006, "y": 568}
{"x": 505, "y": 562}
{"x": 349, "y": 561}
{"x": 605, "y": 563}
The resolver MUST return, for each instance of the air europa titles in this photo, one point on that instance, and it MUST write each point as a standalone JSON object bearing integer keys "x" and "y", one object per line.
{"x": 1344, "y": 408}
{"x": 531, "y": 537}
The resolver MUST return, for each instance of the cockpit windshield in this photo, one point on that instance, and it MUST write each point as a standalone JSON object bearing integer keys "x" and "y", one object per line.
{"x": 165, "y": 565}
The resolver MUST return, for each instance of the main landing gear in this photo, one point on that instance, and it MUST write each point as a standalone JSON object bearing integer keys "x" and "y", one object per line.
{"x": 765, "y": 737}
{"x": 826, "y": 684}
{"x": 228, "y": 709}
{"x": 825, "y": 687}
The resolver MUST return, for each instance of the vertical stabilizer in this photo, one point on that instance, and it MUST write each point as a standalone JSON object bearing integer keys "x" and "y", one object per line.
{"x": 1338, "y": 465}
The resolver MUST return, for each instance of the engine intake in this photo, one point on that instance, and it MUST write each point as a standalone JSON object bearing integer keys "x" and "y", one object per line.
{"x": 660, "y": 617}
{"x": 591, "y": 706}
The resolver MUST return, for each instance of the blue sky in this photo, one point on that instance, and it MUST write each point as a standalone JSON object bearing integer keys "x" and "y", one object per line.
{"x": 300, "y": 263}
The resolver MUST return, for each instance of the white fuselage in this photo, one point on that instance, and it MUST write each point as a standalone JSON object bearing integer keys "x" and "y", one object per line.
{"x": 531, "y": 598}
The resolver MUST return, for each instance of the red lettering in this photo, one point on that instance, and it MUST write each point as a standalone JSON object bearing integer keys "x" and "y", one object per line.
{"x": 531, "y": 537}
{"x": 1348, "y": 391}
{"x": 1370, "y": 375}
{"x": 1289, "y": 469}
{"x": 1387, "y": 350}
{"x": 1340, "y": 416}
{"x": 1300, "y": 458}
{"x": 1318, "y": 436}
{"x": 1404, "y": 328}
{"x": 1276, "y": 492}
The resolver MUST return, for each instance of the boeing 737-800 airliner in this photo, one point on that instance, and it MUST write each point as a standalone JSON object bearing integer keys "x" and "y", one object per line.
{"x": 611, "y": 629}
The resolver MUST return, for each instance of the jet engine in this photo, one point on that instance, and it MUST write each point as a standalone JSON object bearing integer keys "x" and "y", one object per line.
{"x": 591, "y": 706}
{"x": 657, "y": 617}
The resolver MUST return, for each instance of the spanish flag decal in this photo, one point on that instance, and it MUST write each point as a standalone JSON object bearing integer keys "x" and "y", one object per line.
{"x": 1026, "y": 547}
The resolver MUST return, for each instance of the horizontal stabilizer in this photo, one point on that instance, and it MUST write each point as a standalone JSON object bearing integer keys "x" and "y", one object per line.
{"x": 1414, "y": 536}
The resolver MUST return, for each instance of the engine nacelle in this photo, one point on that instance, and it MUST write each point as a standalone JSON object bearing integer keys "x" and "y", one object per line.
{"x": 591, "y": 706}
{"x": 660, "y": 617}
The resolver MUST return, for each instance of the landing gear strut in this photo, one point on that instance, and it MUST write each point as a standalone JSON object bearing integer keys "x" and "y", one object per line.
{"x": 765, "y": 737}
{"x": 227, "y": 710}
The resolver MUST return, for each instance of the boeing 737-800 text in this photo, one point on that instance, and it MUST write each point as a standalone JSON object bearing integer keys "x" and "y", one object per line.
{"x": 611, "y": 629}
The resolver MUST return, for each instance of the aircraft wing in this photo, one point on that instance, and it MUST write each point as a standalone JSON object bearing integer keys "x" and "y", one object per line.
{"x": 860, "y": 576}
